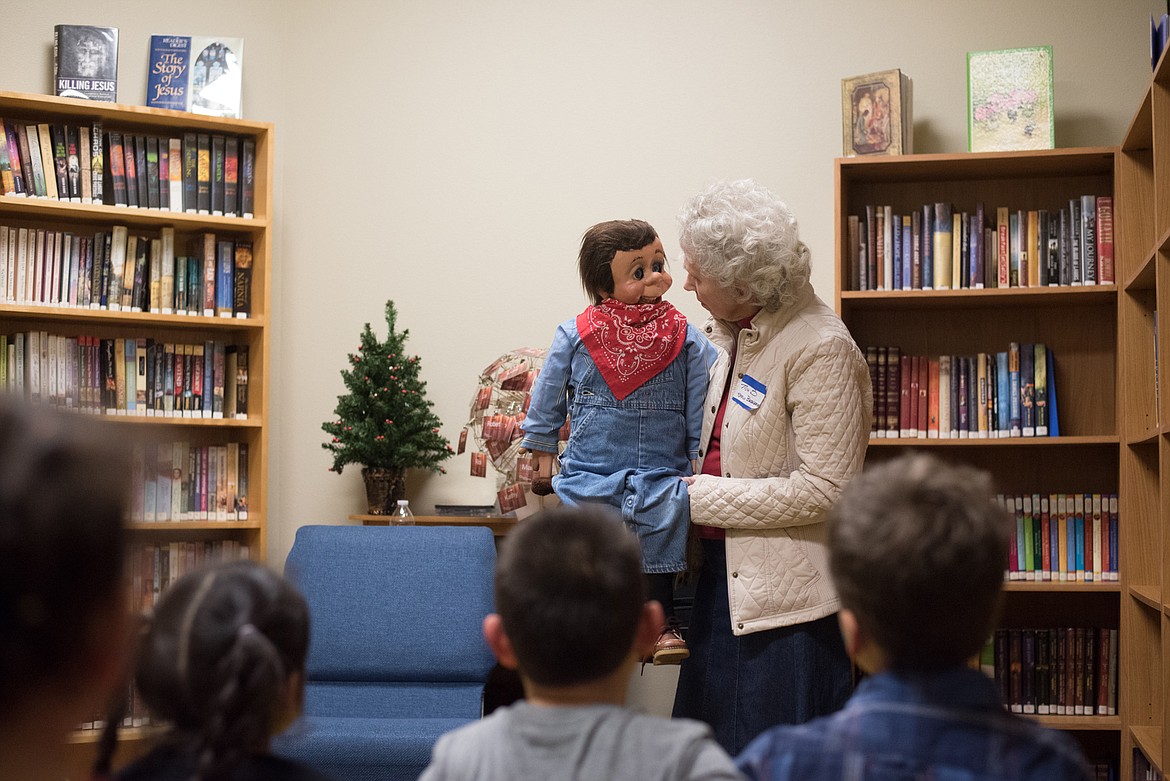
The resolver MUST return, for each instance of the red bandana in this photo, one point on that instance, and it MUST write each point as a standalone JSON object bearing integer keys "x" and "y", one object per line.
{"x": 630, "y": 343}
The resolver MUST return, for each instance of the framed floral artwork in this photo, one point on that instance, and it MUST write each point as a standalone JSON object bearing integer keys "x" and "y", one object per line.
{"x": 1009, "y": 99}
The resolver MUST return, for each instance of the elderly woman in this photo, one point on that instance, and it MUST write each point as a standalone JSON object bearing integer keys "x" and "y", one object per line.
{"x": 786, "y": 424}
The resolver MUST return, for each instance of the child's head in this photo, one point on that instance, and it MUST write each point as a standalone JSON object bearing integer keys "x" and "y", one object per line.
{"x": 223, "y": 659}
{"x": 625, "y": 260}
{"x": 917, "y": 549}
{"x": 571, "y": 594}
{"x": 63, "y": 492}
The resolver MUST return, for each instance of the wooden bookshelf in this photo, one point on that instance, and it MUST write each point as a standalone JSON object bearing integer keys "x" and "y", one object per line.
{"x": 1078, "y": 324}
{"x": 71, "y": 321}
{"x": 1143, "y": 231}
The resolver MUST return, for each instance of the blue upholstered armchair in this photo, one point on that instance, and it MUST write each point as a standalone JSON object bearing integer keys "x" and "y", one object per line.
{"x": 397, "y": 655}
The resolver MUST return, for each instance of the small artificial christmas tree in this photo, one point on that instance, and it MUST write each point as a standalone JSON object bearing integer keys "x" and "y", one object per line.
{"x": 385, "y": 420}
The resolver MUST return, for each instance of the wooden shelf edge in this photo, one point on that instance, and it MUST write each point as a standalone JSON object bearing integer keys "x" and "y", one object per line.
{"x": 1106, "y": 723}
{"x": 1102, "y": 587}
{"x": 1089, "y": 439}
{"x": 57, "y": 209}
{"x": 119, "y": 112}
{"x": 1013, "y": 295}
{"x": 1149, "y": 741}
{"x": 136, "y": 318}
{"x": 186, "y": 526}
{"x": 1149, "y": 596}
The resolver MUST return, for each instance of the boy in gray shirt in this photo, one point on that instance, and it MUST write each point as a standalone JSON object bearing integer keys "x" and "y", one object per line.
{"x": 573, "y": 620}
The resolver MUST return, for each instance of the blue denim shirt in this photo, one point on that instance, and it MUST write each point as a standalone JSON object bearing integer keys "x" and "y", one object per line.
{"x": 631, "y": 453}
{"x": 949, "y": 726}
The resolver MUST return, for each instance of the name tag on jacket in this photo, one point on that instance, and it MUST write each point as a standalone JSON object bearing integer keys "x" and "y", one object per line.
{"x": 749, "y": 393}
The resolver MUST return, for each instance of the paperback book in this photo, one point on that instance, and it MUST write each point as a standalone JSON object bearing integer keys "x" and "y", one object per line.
{"x": 85, "y": 62}
{"x": 200, "y": 74}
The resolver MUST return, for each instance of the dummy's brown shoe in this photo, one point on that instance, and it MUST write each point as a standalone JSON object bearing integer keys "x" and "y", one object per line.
{"x": 670, "y": 648}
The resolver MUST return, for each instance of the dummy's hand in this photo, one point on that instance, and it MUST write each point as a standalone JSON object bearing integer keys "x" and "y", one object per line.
{"x": 542, "y": 482}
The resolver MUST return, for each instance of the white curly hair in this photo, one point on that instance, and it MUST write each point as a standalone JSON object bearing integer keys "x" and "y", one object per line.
{"x": 742, "y": 236}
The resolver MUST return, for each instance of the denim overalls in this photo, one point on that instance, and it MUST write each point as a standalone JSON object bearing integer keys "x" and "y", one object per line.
{"x": 629, "y": 454}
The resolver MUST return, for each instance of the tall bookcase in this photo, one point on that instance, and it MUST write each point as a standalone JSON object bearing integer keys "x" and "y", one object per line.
{"x": 1143, "y": 206}
{"x": 72, "y": 321}
{"x": 1078, "y": 324}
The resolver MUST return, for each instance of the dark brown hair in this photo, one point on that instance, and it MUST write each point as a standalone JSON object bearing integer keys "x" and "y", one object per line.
{"x": 215, "y": 662}
{"x": 570, "y": 591}
{"x": 917, "y": 550}
{"x": 598, "y": 247}
{"x": 63, "y": 492}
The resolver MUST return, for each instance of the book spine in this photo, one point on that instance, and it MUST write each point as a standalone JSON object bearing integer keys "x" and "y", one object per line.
{"x": 130, "y": 166}
{"x": 217, "y": 174}
{"x": 248, "y": 177}
{"x": 893, "y": 391}
{"x": 231, "y": 176}
{"x": 224, "y": 282}
{"x": 1089, "y": 238}
{"x": 143, "y": 170}
{"x": 1105, "y": 239}
{"x": 153, "y": 184}
{"x": 1003, "y": 232}
{"x": 166, "y": 295}
{"x": 943, "y": 241}
{"x": 203, "y": 173}
{"x": 242, "y": 381}
{"x": 242, "y": 280}
{"x": 73, "y": 163}
{"x": 1040, "y": 393}
{"x": 190, "y": 173}
{"x": 97, "y": 163}
{"x": 175, "y": 173}
{"x": 209, "y": 274}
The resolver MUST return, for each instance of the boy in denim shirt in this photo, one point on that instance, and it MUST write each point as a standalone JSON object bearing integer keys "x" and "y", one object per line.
{"x": 631, "y": 375}
{"x": 917, "y": 550}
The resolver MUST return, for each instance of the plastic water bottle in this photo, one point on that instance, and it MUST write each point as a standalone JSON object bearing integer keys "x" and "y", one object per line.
{"x": 402, "y": 514}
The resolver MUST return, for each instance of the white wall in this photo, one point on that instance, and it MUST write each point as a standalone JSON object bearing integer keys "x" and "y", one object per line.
{"x": 449, "y": 154}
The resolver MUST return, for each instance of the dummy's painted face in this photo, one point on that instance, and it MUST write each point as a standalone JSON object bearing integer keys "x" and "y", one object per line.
{"x": 639, "y": 275}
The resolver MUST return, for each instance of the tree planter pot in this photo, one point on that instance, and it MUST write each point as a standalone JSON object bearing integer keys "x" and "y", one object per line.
{"x": 384, "y": 487}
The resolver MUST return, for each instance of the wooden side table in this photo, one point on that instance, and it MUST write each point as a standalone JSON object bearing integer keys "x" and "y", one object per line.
{"x": 500, "y": 525}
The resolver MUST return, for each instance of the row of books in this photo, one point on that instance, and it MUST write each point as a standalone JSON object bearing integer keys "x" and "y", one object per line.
{"x": 127, "y": 376}
{"x": 196, "y": 173}
{"x": 1010, "y": 393}
{"x": 937, "y": 247}
{"x": 1065, "y": 671}
{"x": 1063, "y": 537}
{"x": 179, "y": 481}
{"x": 150, "y": 569}
{"x": 123, "y": 271}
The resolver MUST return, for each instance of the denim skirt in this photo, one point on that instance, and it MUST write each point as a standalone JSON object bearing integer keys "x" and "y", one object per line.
{"x": 743, "y": 685}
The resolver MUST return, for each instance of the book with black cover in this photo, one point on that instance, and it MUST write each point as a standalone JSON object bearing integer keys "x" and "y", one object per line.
{"x": 217, "y": 171}
{"x": 231, "y": 177}
{"x": 247, "y": 177}
{"x": 152, "y": 172}
{"x": 242, "y": 280}
{"x": 85, "y": 62}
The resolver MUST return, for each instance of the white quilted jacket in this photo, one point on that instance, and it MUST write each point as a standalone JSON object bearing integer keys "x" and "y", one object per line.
{"x": 784, "y": 463}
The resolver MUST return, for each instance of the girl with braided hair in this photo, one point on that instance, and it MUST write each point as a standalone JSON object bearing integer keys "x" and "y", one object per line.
{"x": 222, "y": 662}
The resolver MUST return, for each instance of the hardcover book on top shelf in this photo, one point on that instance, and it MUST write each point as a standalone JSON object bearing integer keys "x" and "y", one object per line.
{"x": 200, "y": 74}
{"x": 877, "y": 114}
{"x": 1009, "y": 100}
{"x": 85, "y": 62}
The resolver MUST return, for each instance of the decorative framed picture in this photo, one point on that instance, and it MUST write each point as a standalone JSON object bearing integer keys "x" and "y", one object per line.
{"x": 1009, "y": 99}
{"x": 876, "y": 114}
